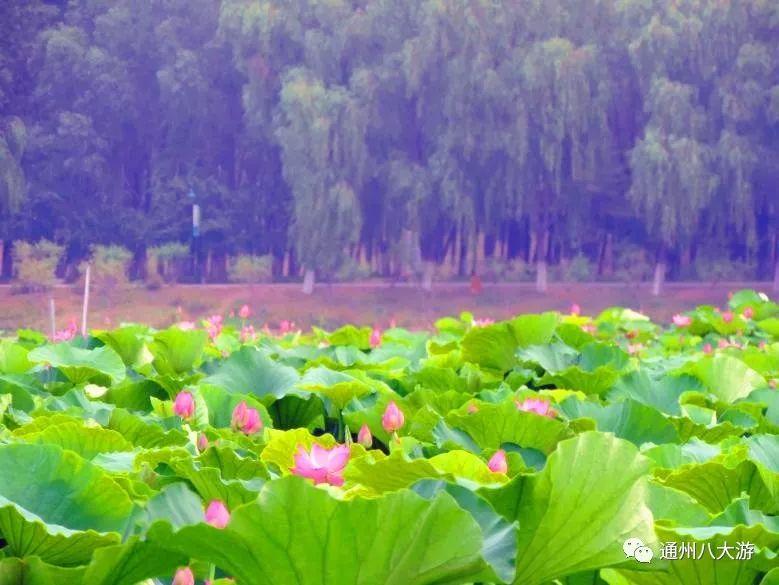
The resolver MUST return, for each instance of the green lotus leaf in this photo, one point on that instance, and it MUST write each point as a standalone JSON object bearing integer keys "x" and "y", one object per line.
{"x": 58, "y": 506}
{"x": 398, "y": 539}
{"x": 101, "y": 365}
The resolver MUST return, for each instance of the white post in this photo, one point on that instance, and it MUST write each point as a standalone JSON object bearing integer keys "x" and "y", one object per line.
{"x": 52, "y": 318}
{"x": 308, "y": 281}
{"x": 86, "y": 303}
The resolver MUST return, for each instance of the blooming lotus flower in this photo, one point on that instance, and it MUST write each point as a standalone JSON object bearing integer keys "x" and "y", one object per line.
{"x": 248, "y": 334}
{"x": 322, "y": 465}
{"x": 66, "y": 334}
{"x": 589, "y": 328}
{"x": 727, "y": 316}
{"x": 634, "y": 348}
{"x": 748, "y": 313}
{"x": 245, "y": 419}
{"x": 217, "y": 514}
{"x": 483, "y": 322}
{"x": 186, "y": 325}
{"x": 214, "y": 326}
{"x": 364, "y": 437}
{"x": 537, "y": 406}
{"x": 286, "y": 327}
{"x": 245, "y": 312}
{"x": 376, "y": 337}
{"x": 682, "y": 320}
{"x": 575, "y": 309}
{"x": 202, "y": 442}
{"x": 707, "y": 348}
{"x": 497, "y": 462}
{"x": 184, "y": 405}
{"x": 392, "y": 419}
{"x": 184, "y": 576}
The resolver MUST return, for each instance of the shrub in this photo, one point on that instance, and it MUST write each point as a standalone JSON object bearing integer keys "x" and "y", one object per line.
{"x": 632, "y": 264}
{"x": 247, "y": 268}
{"x": 351, "y": 270}
{"x": 109, "y": 267}
{"x": 35, "y": 265}
{"x": 578, "y": 269}
{"x": 166, "y": 263}
{"x": 722, "y": 268}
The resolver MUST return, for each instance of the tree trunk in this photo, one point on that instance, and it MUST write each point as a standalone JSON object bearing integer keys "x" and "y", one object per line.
{"x": 427, "y": 275}
{"x": 659, "y": 278}
{"x": 776, "y": 275}
{"x": 463, "y": 263}
{"x": 8, "y": 260}
{"x": 308, "y": 281}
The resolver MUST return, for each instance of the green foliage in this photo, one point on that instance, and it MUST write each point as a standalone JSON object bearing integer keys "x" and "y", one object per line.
{"x": 36, "y": 265}
{"x": 249, "y": 268}
{"x": 110, "y": 266}
{"x": 105, "y": 483}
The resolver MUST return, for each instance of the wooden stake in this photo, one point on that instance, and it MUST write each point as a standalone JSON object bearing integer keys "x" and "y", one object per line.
{"x": 52, "y": 317}
{"x": 86, "y": 303}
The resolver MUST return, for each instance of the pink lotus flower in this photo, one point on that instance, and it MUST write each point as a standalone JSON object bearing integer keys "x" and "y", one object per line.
{"x": 537, "y": 406}
{"x": 214, "y": 326}
{"x": 245, "y": 419}
{"x": 248, "y": 334}
{"x": 66, "y": 334}
{"x": 497, "y": 462}
{"x": 682, "y": 320}
{"x": 375, "y": 337}
{"x": 245, "y": 312}
{"x": 322, "y": 465}
{"x": 472, "y": 408}
{"x": 186, "y": 325}
{"x": 634, "y": 348}
{"x": 761, "y": 345}
{"x": 707, "y": 349}
{"x": 217, "y": 514}
{"x": 286, "y": 327}
{"x": 723, "y": 343}
{"x": 748, "y": 313}
{"x": 202, "y": 442}
{"x": 364, "y": 437}
{"x": 184, "y": 576}
{"x": 184, "y": 405}
{"x": 392, "y": 419}
{"x": 575, "y": 309}
{"x": 589, "y": 328}
{"x": 727, "y": 316}
{"x": 483, "y": 322}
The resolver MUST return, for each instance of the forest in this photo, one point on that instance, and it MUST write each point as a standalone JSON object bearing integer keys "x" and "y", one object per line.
{"x": 398, "y": 136}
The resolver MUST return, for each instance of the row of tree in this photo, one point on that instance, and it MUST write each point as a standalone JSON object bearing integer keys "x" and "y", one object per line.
{"x": 467, "y": 129}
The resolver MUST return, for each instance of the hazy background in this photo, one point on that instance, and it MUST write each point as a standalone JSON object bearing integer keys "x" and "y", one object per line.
{"x": 571, "y": 140}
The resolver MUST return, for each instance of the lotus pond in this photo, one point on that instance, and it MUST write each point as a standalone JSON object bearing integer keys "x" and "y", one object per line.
{"x": 550, "y": 448}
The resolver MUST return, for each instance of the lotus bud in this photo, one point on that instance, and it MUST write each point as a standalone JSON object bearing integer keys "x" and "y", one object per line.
{"x": 217, "y": 514}
{"x": 184, "y": 405}
{"x": 497, "y": 462}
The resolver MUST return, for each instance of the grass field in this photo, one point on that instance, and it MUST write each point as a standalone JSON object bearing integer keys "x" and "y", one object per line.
{"x": 334, "y": 305}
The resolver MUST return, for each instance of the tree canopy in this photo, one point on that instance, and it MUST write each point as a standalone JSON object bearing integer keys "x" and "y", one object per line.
{"x": 359, "y": 131}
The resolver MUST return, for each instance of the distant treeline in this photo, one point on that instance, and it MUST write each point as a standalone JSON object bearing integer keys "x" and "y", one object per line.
{"x": 595, "y": 138}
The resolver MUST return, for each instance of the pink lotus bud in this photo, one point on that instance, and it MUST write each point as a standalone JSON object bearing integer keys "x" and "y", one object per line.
{"x": 575, "y": 310}
{"x": 248, "y": 334}
{"x": 634, "y": 348}
{"x": 727, "y": 316}
{"x": 707, "y": 348}
{"x": 748, "y": 313}
{"x": 217, "y": 514}
{"x": 202, "y": 442}
{"x": 682, "y": 320}
{"x": 375, "y": 337}
{"x": 322, "y": 465}
{"x": 497, "y": 462}
{"x": 472, "y": 408}
{"x": 184, "y": 576}
{"x": 245, "y": 419}
{"x": 184, "y": 405}
{"x": 245, "y": 312}
{"x": 761, "y": 345}
{"x": 392, "y": 419}
{"x": 364, "y": 437}
{"x": 485, "y": 322}
{"x": 723, "y": 343}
